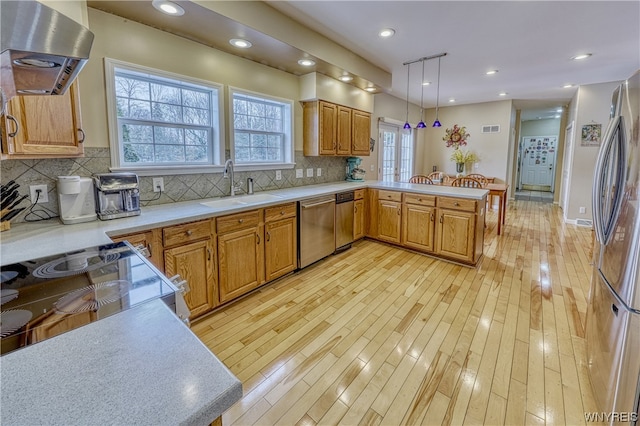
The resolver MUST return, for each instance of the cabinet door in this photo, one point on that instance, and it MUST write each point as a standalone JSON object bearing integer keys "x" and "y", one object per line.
{"x": 328, "y": 118}
{"x": 195, "y": 263}
{"x": 280, "y": 248}
{"x": 389, "y": 221}
{"x": 240, "y": 262}
{"x": 418, "y": 225}
{"x": 44, "y": 126}
{"x": 344, "y": 131}
{"x": 361, "y": 132}
{"x": 455, "y": 232}
{"x": 149, "y": 240}
{"x": 358, "y": 219}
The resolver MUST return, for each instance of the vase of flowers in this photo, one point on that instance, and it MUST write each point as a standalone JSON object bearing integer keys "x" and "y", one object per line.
{"x": 456, "y": 136}
{"x": 461, "y": 158}
{"x": 459, "y": 167}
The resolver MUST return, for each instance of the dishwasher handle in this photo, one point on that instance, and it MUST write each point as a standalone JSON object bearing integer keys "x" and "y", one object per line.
{"x": 321, "y": 203}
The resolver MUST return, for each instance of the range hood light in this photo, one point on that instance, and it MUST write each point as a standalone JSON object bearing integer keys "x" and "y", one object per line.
{"x": 33, "y": 92}
{"x": 35, "y": 63}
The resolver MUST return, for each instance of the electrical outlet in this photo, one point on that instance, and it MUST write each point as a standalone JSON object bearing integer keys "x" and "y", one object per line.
{"x": 43, "y": 197}
{"x": 583, "y": 209}
{"x": 318, "y": 172}
{"x": 309, "y": 172}
{"x": 299, "y": 173}
{"x": 372, "y": 167}
{"x": 476, "y": 166}
{"x": 158, "y": 184}
{"x": 278, "y": 174}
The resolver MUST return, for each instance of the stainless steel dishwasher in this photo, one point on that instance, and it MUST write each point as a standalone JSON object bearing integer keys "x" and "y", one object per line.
{"x": 344, "y": 220}
{"x": 316, "y": 221}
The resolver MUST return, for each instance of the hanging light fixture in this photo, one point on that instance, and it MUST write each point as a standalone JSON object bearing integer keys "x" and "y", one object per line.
{"x": 437, "y": 122}
{"x": 406, "y": 123}
{"x": 421, "y": 124}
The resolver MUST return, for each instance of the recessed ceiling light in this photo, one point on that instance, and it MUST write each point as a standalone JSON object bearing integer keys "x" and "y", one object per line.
{"x": 168, "y": 7}
{"x": 556, "y": 116}
{"x": 581, "y": 56}
{"x": 566, "y": 86}
{"x": 241, "y": 43}
{"x": 491, "y": 72}
{"x": 502, "y": 94}
{"x": 306, "y": 62}
{"x": 370, "y": 89}
{"x": 426, "y": 83}
{"x": 452, "y": 100}
{"x": 559, "y": 110}
{"x": 345, "y": 78}
{"x": 387, "y": 32}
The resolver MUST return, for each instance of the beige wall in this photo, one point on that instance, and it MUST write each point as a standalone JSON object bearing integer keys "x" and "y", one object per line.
{"x": 492, "y": 148}
{"x": 590, "y": 105}
{"x": 128, "y": 41}
{"x": 550, "y": 127}
{"x": 76, "y": 9}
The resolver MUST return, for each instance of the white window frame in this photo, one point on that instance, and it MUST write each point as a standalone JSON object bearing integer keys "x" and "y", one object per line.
{"x": 391, "y": 125}
{"x": 289, "y": 146}
{"x": 217, "y": 118}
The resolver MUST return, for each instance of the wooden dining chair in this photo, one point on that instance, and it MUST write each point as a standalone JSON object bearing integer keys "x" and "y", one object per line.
{"x": 436, "y": 176}
{"x": 421, "y": 179}
{"x": 481, "y": 178}
{"x": 466, "y": 182}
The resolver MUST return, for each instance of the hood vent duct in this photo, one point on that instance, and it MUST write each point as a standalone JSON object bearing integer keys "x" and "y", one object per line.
{"x": 42, "y": 50}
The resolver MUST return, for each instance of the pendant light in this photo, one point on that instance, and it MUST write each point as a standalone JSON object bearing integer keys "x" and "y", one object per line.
{"x": 421, "y": 124}
{"x": 406, "y": 123}
{"x": 437, "y": 122}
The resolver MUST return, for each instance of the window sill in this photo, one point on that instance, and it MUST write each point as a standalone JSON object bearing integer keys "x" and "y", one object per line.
{"x": 191, "y": 170}
{"x": 251, "y": 167}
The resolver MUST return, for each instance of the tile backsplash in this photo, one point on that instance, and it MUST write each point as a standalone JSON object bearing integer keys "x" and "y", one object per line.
{"x": 176, "y": 187}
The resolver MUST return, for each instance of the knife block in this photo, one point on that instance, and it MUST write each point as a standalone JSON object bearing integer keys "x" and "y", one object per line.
{"x": 5, "y": 226}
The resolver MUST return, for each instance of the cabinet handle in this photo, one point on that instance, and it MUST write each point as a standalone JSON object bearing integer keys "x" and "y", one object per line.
{"x": 268, "y": 236}
{"x": 282, "y": 213}
{"x": 14, "y": 133}
{"x": 189, "y": 232}
{"x": 441, "y": 218}
{"x": 355, "y": 209}
{"x": 456, "y": 204}
{"x": 240, "y": 220}
{"x": 81, "y": 140}
{"x": 208, "y": 254}
{"x": 149, "y": 248}
{"x": 398, "y": 212}
{"x": 432, "y": 217}
{"x": 258, "y": 239}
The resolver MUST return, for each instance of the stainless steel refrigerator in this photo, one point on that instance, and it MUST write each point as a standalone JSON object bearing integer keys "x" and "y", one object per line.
{"x": 613, "y": 315}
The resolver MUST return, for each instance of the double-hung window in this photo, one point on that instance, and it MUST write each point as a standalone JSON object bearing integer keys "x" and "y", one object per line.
{"x": 261, "y": 131}
{"x": 162, "y": 122}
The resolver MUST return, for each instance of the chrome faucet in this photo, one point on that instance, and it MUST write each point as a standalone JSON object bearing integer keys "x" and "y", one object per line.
{"x": 228, "y": 173}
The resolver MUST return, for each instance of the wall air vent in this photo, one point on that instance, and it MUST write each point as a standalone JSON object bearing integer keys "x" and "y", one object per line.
{"x": 491, "y": 128}
{"x": 584, "y": 222}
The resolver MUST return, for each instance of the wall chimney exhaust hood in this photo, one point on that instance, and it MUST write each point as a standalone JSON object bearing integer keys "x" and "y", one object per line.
{"x": 42, "y": 50}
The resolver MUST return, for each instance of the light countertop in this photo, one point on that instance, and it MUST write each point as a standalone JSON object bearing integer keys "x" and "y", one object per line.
{"x": 141, "y": 366}
{"x": 25, "y": 241}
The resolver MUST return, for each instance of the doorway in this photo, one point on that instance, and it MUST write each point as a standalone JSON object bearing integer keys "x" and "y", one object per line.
{"x": 396, "y": 160}
{"x": 538, "y": 165}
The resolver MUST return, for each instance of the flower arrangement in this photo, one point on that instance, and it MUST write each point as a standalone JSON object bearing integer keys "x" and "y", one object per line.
{"x": 459, "y": 156}
{"x": 456, "y": 137}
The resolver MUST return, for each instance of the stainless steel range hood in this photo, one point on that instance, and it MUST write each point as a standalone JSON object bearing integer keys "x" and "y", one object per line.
{"x": 42, "y": 50}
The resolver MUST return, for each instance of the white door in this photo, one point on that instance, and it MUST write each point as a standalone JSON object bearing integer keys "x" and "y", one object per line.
{"x": 538, "y": 161}
{"x": 566, "y": 167}
{"x": 396, "y": 153}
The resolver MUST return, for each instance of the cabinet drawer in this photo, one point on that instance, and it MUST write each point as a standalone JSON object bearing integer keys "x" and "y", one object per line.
{"x": 238, "y": 221}
{"x": 390, "y": 195}
{"x": 186, "y": 232}
{"x": 279, "y": 212}
{"x": 457, "y": 204}
{"x": 358, "y": 194}
{"x": 421, "y": 199}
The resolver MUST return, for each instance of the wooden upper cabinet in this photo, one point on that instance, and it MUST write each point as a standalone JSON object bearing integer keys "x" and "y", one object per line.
{"x": 331, "y": 129}
{"x": 361, "y": 131}
{"x": 43, "y": 126}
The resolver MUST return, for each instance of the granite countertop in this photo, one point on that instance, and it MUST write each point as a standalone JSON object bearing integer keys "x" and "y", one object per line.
{"x": 141, "y": 366}
{"x": 25, "y": 241}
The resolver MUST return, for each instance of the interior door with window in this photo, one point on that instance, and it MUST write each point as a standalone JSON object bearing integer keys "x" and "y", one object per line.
{"x": 396, "y": 154}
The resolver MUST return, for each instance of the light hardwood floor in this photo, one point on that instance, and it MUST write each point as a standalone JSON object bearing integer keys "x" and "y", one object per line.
{"x": 380, "y": 335}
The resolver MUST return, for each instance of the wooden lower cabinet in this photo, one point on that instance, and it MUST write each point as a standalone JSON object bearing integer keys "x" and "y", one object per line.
{"x": 455, "y": 233}
{"x": 358, "y": 219}
{"x": 149, "y": 240}
{"x": 389, "y": 221}
{"x": 240, "y": 262}
{"x": 418, "y": 226}
{"x": 280, "y": 252}
{"x": 195, "y": 262}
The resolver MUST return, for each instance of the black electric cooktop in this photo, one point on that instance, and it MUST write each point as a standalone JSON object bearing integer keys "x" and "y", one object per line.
{"x": 45, "y": 297}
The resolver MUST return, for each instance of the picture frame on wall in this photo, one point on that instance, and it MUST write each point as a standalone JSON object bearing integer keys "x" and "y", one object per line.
{"x": 591, "y": 135}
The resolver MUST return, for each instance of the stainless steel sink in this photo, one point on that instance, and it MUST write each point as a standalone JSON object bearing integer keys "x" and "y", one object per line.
{"x": 242, "y": 200}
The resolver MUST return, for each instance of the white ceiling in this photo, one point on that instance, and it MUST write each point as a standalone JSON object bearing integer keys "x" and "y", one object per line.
{"x": 530, "y": 42}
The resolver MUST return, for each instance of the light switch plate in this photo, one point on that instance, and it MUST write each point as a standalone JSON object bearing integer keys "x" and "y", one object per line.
{"x": 372, "y": 168}
{"x": 309, "y": 172}
{"x": 299, "y": 173}
{"x": 278, "y": 174}
{"x": 318, "y": 172}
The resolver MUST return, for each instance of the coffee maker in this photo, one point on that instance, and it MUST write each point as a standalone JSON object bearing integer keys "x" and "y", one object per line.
{"x": 117, "y": 195}
{"x": 76, "y": 199}
{"x": 354, "y": 172}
